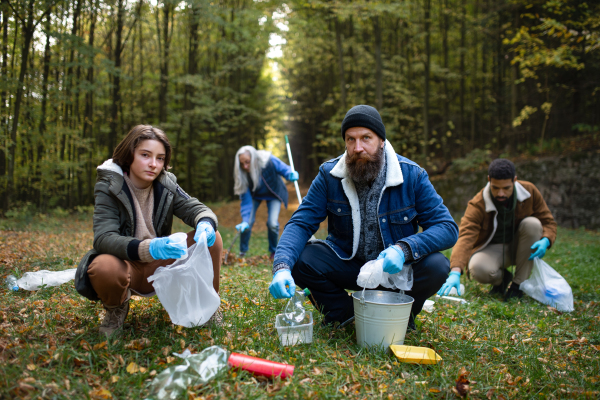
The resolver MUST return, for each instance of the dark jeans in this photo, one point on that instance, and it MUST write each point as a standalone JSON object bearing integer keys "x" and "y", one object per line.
{"x": 327, "y": 276}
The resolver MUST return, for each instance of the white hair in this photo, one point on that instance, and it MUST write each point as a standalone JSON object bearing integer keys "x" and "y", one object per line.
{"x": 258, "y": 160}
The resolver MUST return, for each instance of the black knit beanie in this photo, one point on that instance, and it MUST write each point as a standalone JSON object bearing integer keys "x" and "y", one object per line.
{"x": 365, "y": 117}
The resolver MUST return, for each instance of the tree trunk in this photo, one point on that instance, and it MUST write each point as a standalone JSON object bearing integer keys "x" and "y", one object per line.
{"x": 3, "y": 110}
{"x": 88, "y": 122}
{"x": 28, "y": 28}
{"x": 118, "y": 48}
{"x": 474, "y": 80}
{"x": 378, "y": 66}
{"x": 340, "y": 51}
{"x": 462, "y": 50}
{"x": 446, "y": 106}
{"x": 189, "y": 105}
{"x": 427, "y": 73}
{"x": 164, "y": 63}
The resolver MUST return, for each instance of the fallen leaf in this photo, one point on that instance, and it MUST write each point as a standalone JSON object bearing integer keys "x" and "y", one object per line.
{"x": 489, "y": 394}
{"x": 434, "y": 390}
{"x": 317, "y": 371}
{"x": 101, "y": 345}
{"x": 554, "y": 310}
{"x": 100, "y": 394}
{"x": 462, "y": 383}
{"x": 138, "y": 344}
{"x": 114, "y": 378}
{"x": 133, "y": 368}
{"x": 31, "y": 367}
{"x": 170, "y": 359}
{"x": 542, "y": 360}
{"x": 497, "y": 350}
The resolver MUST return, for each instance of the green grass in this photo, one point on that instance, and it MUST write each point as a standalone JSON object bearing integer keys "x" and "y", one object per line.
{"x": 50, "y": 348}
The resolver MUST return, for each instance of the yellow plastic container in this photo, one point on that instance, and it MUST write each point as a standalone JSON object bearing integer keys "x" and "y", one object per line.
{"x": 415, "y": 355}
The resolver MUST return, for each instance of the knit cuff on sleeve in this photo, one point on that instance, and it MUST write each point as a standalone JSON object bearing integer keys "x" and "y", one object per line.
{"x": 406, "y": 250}
{"x": 280, "y": 266}
{"x": 144, "y": 251}
{"x": 132, "y": 250}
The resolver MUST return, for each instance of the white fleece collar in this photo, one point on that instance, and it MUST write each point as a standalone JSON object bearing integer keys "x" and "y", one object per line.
{"x": 110, "y": 165}
{"x": 522, "y": 195}
{"x": 393, "y": 176}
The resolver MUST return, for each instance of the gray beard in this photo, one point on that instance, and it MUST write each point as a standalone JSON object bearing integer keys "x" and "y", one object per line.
{"x": 365, "y": 172}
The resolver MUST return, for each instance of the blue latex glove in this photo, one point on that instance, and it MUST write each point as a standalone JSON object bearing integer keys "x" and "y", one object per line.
{"x": 242, "y": 227}
{"x": 453, "y": 281}
{"x": 281, "y": 279}
{"x": 540, "y": 248}
{"x": 163, "y": 248}
{"x": 393, "y": 259}
{"x": 204, "y": 226}
{"x": 293, "y": 176}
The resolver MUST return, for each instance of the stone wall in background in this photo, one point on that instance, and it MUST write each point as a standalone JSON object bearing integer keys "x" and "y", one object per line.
{"x": 570, "y": 185}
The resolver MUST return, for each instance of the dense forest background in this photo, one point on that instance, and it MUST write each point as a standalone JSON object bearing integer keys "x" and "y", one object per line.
{"x": 451, "y": 78}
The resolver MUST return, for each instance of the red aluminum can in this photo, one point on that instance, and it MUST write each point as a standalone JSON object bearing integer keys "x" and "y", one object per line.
{"x": 259, "y": 367}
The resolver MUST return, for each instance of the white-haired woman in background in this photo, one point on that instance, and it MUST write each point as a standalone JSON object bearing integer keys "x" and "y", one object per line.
{"x": 256, "y": 175}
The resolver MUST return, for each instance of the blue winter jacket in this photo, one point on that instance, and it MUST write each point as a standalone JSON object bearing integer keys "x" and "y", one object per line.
{"x": 270, "y": 187}
{"x": 408, "y": 200}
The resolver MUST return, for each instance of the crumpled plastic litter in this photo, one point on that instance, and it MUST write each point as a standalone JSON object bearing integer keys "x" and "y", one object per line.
{"x": 197, "y": 369}
{"x": 371, "y": 276}
{"x": 295, "y": 312}
{"x": 33, "y": 280}
{"x": 548, "y": 287}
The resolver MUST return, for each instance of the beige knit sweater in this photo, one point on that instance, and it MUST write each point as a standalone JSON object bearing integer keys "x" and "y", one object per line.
{"x": 143, "y": 201}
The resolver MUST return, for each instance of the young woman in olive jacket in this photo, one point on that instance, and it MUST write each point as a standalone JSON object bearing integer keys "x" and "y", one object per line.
{"x": 135, "y": 200}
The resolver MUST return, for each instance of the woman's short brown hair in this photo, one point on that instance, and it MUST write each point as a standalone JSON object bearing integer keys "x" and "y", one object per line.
{"x": 123, "y": 154}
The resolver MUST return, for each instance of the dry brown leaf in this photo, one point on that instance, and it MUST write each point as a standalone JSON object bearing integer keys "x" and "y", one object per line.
{"x": 542, "y": 360}
{"x": 317, "y": 371}
{"x": 133, "y": 368}
{"x": 31, "y": 367}
{"x": 462, "y": 383}
{"x": 138, "y": 344}
{"x": 498, "y": 351}
{"x": 101, "y": 345}
{"x": 100, "y": 393}
{"x": 554, "y": 310}
{"x": 114, "y": 379}
{"x": 170, "y": 359}
{"x": 434, "y": 390}
{"x": 489, "y": 394}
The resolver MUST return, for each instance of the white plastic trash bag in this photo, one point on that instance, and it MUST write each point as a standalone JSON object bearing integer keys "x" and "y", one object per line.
{"x": 33, "y": 280}
{"x": 185, "y": 288}
{"x": 371, "y": 276}
{"x": 548, "y": 287}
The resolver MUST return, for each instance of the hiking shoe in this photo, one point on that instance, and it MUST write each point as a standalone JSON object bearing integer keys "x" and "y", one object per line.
{"x": 501, "y": 288}
{"x": 514, "y": 291}
{"x": 114, "y": 318}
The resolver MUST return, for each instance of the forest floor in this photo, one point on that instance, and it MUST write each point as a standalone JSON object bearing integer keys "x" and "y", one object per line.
{"x": 50, "y": 346}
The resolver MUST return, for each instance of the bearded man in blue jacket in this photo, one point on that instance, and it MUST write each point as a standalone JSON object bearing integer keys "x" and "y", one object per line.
{"x": 374, "y": 200}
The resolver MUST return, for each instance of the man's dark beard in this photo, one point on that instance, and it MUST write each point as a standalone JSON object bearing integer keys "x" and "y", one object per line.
{"x": 364, "y": 168}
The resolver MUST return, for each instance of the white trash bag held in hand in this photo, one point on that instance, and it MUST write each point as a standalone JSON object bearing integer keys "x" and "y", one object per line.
{"x": 185, "y": 288}
{"x": 371, "y": 276}
{"x": 548, "y": 287}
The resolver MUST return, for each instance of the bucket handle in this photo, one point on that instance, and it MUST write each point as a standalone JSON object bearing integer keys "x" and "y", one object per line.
{"x": 362, "y": 297}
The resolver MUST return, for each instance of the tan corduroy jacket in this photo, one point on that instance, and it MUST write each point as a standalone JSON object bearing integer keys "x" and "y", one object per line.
{"x": 478, "y": 225}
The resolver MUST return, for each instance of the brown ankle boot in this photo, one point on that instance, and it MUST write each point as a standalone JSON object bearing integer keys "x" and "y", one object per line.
{"x": 115, "y": 317}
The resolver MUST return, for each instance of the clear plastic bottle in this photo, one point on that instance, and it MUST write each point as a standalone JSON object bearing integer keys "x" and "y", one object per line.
{"x": 294, "y": 312}
{"x": 11, "y": 283}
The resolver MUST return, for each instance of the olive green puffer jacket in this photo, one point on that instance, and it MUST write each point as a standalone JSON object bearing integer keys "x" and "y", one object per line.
{"x": 115, "y": 219}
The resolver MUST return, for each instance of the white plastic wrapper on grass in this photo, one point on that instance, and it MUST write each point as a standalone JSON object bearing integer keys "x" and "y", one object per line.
{"x": 33, "y": 280}
{"x": 197, "y": 369}
{"x": 371, "y": 276}
{"x": 548, "y": 287}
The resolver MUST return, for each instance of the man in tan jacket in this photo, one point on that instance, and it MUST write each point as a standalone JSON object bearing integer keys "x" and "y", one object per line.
{"x": 506, "y": 223}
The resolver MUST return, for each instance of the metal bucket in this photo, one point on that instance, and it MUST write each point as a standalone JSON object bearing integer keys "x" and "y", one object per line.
{"x": 381, "y": 317}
